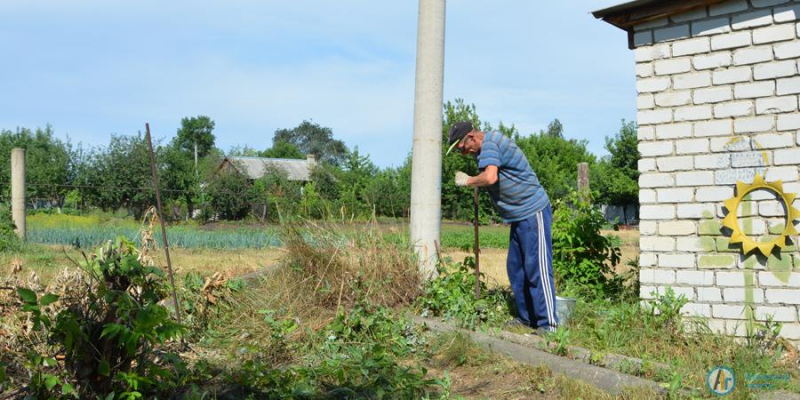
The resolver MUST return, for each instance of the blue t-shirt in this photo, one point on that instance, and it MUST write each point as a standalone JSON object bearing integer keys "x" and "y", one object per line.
{"x": 517, "y": 192}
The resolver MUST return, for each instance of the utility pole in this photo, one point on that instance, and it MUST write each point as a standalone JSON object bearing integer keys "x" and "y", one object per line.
{"x": 18, "y": 191}
{"x": 426, "y": 162}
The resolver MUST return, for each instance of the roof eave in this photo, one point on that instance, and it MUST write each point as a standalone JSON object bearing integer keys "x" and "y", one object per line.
{"x": 626, "y": 15}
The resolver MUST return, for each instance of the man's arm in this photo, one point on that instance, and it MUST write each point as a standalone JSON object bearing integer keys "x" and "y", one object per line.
{"x": 486, "y": 178}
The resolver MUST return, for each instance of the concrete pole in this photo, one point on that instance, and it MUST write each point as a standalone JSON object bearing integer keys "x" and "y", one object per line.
{"x": 426, "y": 164}
{"x": 583, "y": 180}
{"x": 18, "y": 190}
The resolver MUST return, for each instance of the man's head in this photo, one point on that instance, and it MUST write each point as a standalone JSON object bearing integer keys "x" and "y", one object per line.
{"x": 464, "y": 138}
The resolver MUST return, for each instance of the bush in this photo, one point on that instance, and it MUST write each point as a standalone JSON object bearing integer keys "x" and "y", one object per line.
{"x": 103, "y": 333}
{"x": 228, "y": 196}
{"x": 583, "y": 259}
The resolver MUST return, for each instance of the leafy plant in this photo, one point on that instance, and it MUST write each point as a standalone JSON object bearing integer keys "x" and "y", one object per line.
{"x": 765, "y": 336}
{"x": 356, "y": 355}
{"x": 582, "y": 257}
{"x": 560, "y": 340}
{"x": 452, "y": 295}
{"x": 111, "y": 338}
{"x": 664, "y": 310}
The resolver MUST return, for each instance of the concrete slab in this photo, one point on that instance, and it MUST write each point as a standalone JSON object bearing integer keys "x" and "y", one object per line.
{"x": 605, "y": 379}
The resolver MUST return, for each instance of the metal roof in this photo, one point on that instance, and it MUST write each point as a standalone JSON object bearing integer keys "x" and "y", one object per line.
{"x": 297, "y": 170}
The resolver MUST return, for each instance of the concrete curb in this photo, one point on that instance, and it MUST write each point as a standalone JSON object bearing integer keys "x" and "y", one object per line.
{"x": 613, "y": 361}
{"x": 610, "y": 381}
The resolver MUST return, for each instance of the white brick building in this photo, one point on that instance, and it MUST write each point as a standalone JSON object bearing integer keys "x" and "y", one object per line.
{"x": 718, "y": 88}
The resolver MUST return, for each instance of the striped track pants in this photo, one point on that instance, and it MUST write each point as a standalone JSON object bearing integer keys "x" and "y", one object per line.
{"x": 530, "y": 270}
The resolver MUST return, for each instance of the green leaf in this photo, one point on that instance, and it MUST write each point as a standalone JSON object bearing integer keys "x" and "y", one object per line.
{"x": 48, "y": 299}
{"x": 49, "y": 362}
{"x": 67, "y": 389}
{"x": 110, "y": 396}
{"x": 50, "y": 381}
{"x": 29, "y": 296}
{"x": 105, "y": 370}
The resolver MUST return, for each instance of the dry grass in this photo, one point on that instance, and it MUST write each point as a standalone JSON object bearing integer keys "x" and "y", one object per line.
{"x": 630, "y": 243}
{"x": 323, "y": 274}
{"x": 337, "y": 270}
{"x": 47, "y": 260}
{"x": 493, "y": 264}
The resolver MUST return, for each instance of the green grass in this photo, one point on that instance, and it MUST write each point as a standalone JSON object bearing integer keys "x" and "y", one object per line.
{"x": 622, "y": 327}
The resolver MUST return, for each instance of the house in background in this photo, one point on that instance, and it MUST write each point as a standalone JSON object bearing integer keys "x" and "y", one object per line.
{"x": 254, "y": 167}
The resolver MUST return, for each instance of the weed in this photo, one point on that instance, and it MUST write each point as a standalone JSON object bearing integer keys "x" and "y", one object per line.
{"x": 451, "y": 295}
{"x": 665, "y": 311}
{"x": 456, "y": 349}
{"x": 354, "y": 356}
{"x": 764, "y": 337}
{"x": 560, "y": 340}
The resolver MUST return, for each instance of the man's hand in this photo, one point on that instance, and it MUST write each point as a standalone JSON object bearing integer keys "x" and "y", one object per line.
{"x": 461, "y": 178}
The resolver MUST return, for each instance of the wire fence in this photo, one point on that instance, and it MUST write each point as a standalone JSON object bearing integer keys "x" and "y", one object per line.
{"x": 76, "y": 222}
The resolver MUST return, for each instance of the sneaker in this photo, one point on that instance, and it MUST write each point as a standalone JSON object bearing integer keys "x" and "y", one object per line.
{"x": 517, "y": 323}
{"x": 544, "y": 331}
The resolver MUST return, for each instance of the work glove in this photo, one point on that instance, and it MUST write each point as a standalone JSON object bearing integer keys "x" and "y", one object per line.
{"x": 461, "y": 178}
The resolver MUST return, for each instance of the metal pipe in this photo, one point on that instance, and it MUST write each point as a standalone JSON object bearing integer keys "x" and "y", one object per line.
{"x": 426, "y": 164}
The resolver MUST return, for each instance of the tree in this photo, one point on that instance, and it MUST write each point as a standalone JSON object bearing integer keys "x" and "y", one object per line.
{"x": 281, "y": 149}
{"x": 228, "y": 195}
{"x": 616, "y": 176}
{"x": 243, "y": 151}
{"x": 47, "y": 163}
{"x": 276, "y": 197}
{"x": 179, "y": 176}
{"x": 357, "y": 173}
{"x": 195, "y": 136}
{"x": 555, "y": 161}
{"x": 624, "y": 149}
{"x": 120, "y": 175}
{"x": 555, "y": 129}
{"x": 311, "y": 138}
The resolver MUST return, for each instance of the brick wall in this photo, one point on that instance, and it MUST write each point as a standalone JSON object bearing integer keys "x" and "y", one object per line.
{"x": 718, "y": 102}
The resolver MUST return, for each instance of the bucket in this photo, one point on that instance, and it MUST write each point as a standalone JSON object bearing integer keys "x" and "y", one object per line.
{"x": 564, "y": 308}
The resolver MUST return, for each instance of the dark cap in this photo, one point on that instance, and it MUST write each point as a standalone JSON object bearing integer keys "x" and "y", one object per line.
{"x": 457, "y": 132}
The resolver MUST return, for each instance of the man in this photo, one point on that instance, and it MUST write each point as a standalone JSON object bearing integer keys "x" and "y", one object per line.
{"x": 523, "y": 203}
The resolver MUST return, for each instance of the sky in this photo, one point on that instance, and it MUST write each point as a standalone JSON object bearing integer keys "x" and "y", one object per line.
{"x": 96, "y": 68}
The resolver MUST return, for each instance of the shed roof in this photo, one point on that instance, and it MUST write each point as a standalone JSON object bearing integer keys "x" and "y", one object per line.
{"x": 297, "y": 170}
{"x": 626, "y": 15}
